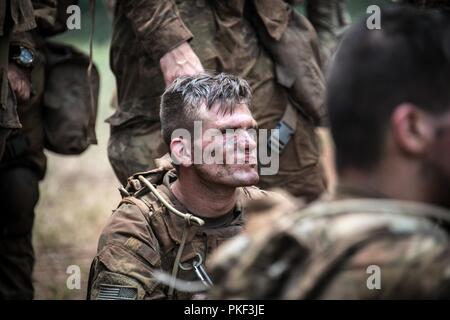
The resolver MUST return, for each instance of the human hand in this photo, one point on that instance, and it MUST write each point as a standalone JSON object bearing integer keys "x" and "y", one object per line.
{"x": 181, "y": 61}
{"x": 20, "y": 83}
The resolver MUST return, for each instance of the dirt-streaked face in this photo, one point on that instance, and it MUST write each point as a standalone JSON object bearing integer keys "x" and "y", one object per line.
{"x": 229, "y": 146}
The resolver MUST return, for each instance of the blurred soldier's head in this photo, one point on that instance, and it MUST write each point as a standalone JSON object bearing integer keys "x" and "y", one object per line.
{"x": 389, "y": 105}
{"x": 207, "y": 124}
{"x": 440, "y": 4}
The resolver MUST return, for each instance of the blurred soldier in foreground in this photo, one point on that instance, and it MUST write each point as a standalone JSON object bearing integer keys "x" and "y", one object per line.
{"x": 171, "y": 219}
{"x": 38, "y": 114}
{"x": 385, "y": 233}
{"x": 266, "y": 42}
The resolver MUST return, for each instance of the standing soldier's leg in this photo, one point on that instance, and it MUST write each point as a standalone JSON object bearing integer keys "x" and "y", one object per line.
{"x": 19, "y": 194}
{"x": 133, "y": 148}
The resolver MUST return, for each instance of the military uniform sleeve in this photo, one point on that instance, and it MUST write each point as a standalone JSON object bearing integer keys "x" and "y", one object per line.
{"x": 128, "y": 252}
{"x": 157, "y": 25}
{"x": 51, "y": 16}
{"x": 16, "y": 20}
{"x": 46, "y": 16}
{"x": 21, "y": 14}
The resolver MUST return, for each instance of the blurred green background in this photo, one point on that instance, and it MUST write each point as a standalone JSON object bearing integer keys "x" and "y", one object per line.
{"x": 79, "y": 192}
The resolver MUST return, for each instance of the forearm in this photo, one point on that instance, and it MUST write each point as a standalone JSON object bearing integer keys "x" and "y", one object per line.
{"x": 157, "y": 24}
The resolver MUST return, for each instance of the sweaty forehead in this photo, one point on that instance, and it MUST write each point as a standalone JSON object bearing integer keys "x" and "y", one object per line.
{"x": 241, "y": 117}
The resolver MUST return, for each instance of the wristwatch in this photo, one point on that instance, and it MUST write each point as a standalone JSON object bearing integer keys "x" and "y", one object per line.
{"x": 22, "y": 56}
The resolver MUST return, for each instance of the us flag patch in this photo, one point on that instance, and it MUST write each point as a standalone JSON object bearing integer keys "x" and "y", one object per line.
{"x": 109, "y": 292}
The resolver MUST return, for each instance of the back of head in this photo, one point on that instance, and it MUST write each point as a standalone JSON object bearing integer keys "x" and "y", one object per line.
{"x": 440, "y": 4}
{"x": 406, "y": 61}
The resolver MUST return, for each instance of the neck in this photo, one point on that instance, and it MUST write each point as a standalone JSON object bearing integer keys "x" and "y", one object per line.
{"x": 392, "y": 180}
{"x": 201, "y": 197}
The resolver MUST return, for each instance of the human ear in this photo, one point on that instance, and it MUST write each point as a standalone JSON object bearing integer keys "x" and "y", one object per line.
{"x": 412, "y": 129}
{"x": 180, "y": 152}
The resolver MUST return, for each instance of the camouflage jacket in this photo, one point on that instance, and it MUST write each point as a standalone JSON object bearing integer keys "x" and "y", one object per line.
{"x": 142, "y": 236}
{"x": 349, "y": 247}
{"x": 28, "y": 20}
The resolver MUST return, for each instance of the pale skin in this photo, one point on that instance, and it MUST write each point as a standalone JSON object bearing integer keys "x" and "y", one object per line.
{"x": 411, "y": 147}
{"x": 181, "y": 61}
{"x": 210, "y": 190}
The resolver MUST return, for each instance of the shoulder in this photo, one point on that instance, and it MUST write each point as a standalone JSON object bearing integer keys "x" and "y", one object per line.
{"x": 362, "y": 217}
{"x": 140, "y": 214}
{"x": 128, "y": 252}
{"x": 129, "y": 236}
{"x": 338, "y": 241}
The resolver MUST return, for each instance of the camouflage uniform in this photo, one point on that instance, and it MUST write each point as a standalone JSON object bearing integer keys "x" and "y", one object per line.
{"x": 23, "y": 163}
{"x": 142, "y": 236}
{"x": 329, "y": 18}
{"x": 331, "y": 249}
{"x": 222, "y": 35}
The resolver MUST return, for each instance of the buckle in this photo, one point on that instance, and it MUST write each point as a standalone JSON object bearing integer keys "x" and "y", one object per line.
{"x": 280, "y": 138}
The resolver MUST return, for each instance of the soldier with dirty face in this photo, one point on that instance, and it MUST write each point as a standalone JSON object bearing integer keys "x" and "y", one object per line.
{"x": 267, "y": 42}
{"x": 173, "y": 217}
{"x": 384, "y": 234}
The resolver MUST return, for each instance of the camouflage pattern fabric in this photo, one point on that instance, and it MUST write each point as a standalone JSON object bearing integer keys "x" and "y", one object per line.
{"x": 333, "y": 248}
{"x": 142, "y": 236}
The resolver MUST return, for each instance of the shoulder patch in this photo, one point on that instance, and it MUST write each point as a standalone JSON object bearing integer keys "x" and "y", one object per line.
{"x": 115, "y": 286}
{"x": 113, "y": 292}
